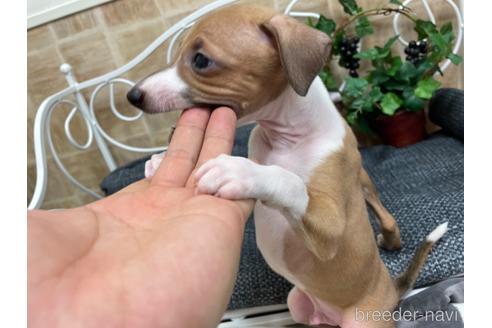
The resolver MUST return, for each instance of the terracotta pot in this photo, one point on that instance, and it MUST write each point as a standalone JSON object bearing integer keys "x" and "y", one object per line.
{"x": 402, "y": 129}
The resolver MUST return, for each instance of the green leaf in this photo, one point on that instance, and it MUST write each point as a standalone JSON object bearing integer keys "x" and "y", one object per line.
{"x": 447, "y": 32}
{"x": 455, "y": 59}
{"x": 355, "y": 87}
{"x": 396, "y": 2}
{"x": 439, "y": 42}
{"x": 351, "y": 117}
{"x": 363, "y": 104}
{"x": 406, "y": 72}
{"x": 446, "y": 28}
{"x": 328, "y": 80}
{"x": 390, "y": 42}
{"x": 375, "y": 95}
{"x": 349, "y": 6}
{"x": 395, "y": 85}
{"x": 424, "y": 28}
{"x": 360, "y": 104}
{"x": 326, "y": 25}
{"x": 395, "y": 64}
{"x": 378, "y": 76}
{"x": 370, "y": 54}
{"x": 363, "y": 125}
{"x": 425, "y": 88}
{"x": 390, "y": 103}
{"x": 411, "y": 101}
{"x": 423, "y": 67}
{"x": 363, "y": 27}
{"x": 337, "y": 40}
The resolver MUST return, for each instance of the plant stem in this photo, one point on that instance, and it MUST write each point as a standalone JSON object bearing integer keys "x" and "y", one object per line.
{"x": 385, "y": 11}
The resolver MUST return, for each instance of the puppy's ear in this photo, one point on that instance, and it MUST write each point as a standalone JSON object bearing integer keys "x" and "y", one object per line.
{"x": 303, "y": 50}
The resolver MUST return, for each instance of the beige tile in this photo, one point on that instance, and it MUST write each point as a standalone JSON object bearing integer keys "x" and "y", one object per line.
{"x": 43, "y": 75}
{"x": 119, "y": 13}
{"x": 84, "y": 198}
{"x": 172, "y": 7}
{"x": 137, "y": 37}
{"x": 154, "y": 63}
{"x": 71, "y": 25}
{"x": 89, "y": 55}
{"x": 160, "y": 125}
{"x": 30, "y": 141}
{"x": 335, "y": 11}
{"x": 62, "y": 203}
{"x": 39, "y": 38}
{"x": 58, "y": 186}
{"x": 31, "y": 181}
{"x": 134, "y": 40}
{"x": 123, "y": 157}
{"x": 31, "y": 109}
{"x": 87, "y": 167}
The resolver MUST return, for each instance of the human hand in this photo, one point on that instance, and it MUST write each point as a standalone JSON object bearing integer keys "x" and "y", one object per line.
{"x": 152, "y": 255}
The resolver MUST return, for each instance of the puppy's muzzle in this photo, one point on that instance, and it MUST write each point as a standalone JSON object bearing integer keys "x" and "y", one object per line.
{"x": 136, "y": 96}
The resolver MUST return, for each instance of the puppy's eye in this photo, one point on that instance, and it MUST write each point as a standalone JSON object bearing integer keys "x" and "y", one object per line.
{"x": 201, "y": 62}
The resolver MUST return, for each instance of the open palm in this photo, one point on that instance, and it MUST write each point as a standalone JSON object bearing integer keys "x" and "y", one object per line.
{"x": 153, "y": 255}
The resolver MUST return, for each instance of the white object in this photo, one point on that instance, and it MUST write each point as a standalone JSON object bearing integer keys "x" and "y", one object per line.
{"x": 437, "y": 233}
{"x": 44, "y": 11}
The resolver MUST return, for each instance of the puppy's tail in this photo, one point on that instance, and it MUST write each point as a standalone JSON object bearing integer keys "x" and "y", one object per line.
{"x": 406, "y": 280}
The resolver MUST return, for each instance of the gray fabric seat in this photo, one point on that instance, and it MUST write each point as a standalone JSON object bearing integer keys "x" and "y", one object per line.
{"x": 421, "y": 185}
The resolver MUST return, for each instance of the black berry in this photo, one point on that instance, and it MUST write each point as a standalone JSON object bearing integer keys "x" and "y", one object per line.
{"x": 348, "y": 49}
{"x": 416, "y": 51}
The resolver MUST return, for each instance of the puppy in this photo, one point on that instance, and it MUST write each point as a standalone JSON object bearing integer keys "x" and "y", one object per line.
{"x": 304, "y": 169}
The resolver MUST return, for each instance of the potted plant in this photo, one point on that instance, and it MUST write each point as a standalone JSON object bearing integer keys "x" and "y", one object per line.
{"x": 389, "y": 97}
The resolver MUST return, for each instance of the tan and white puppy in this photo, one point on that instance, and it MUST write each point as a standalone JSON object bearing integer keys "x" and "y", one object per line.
{"x": 305, "y": 169}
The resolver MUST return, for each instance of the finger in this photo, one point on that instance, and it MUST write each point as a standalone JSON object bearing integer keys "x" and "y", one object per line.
{"x": 219, "y": 137}
{"x": 183, "y": 151}
{"x": 245, "y": 207}
{"x": 136, "y": 186}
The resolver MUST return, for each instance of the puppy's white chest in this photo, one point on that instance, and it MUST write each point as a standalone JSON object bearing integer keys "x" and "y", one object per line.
{"x": 301, "y": 159}
{"x": 272, "y": 226}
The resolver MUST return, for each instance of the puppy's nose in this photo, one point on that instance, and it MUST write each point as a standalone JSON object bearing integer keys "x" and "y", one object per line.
{"x": 135, "y": 96}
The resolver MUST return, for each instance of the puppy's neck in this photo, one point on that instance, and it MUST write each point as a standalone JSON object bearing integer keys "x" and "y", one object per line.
{"x": 290, "y": 118}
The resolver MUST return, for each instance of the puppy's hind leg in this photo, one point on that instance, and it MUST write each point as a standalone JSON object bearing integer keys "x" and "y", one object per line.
{"x": 389, "y": 238}
{"x": 304, "y": 311}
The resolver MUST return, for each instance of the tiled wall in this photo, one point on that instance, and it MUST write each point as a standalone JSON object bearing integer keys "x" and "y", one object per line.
{"x": 103, "y": 38}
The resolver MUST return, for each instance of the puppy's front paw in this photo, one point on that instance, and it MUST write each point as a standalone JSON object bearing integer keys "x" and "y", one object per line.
{"x": 152, "y": 164}
{"x": 227, "y": 177}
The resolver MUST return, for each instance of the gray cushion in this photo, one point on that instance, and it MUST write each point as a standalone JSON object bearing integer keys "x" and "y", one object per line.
{"x": 421, "y": 185}
{"x": 446, "y": 110}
